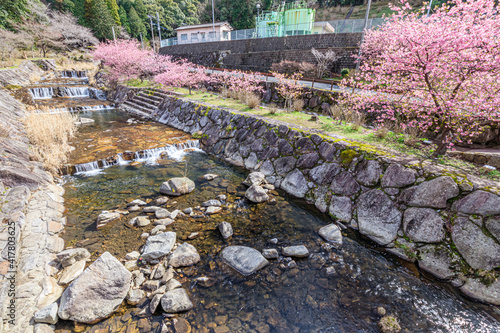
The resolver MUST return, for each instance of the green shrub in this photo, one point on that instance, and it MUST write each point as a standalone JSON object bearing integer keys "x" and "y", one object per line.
{"x": 344, "y": 72}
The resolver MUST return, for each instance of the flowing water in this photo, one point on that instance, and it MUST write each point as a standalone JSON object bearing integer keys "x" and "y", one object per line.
{"x": 278, "y": 298}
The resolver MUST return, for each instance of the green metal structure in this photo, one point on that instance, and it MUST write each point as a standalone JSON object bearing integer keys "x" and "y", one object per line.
{"x": 286, "y": 19}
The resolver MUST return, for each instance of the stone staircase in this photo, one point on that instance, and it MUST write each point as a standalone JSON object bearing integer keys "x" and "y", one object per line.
{"x": 145, "y": 103}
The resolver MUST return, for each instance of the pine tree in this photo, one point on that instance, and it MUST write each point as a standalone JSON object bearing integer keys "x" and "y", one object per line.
{"x": 98, "y": 17}
{"x": 136, "y": 25}
{"x": 123, "y": 19}
{"x": 113, "y": 9}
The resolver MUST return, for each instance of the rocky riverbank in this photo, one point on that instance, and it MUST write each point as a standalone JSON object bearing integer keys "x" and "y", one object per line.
{"x": 441, "y": 219}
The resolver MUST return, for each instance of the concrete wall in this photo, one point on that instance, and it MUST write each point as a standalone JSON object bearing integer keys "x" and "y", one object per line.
{"x": 259, "y": 54}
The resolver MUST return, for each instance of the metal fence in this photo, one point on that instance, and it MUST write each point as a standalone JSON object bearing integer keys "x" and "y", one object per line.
{"x": 324, "y": 27}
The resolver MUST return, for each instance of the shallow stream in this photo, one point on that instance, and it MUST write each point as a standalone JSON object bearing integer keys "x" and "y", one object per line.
{"x": 280, "y": 297}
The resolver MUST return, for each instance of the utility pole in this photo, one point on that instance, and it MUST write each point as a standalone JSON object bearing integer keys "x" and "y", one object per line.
{"x": 142, "y": 42}
{"x": 114, "y": 37}
{"x": 152, "y": 33}
{"x": 429, "y": 9}
{"x": 363, "y": 34}
{"x": 159, "y": 31}
{"x": 213, "y": 17}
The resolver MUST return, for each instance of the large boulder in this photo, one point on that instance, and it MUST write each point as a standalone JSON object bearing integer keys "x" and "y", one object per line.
{"x": 478, "y": 249}
{"x": 243, "y": 259}
{"x": 345, "y": 184}
{"x": 398, "y": 176}
{"x": 184, "y": 255}
{"x": 476, "y": 289}
{"x": 177, "y": 186}
{"x": 369, "y": 173}
{"x": 433, "y": 193}
{"x": 295, "y": 184}
{"x": 97, "y": 292}
{"x": 340, "y": 208}
{"x": 70, "y": 256}
{"x": 423, "y": 225}
{"x": 435, "y": 261}
{"x": 256, "y": 194}
{"x": 255, "y": 178}
{"x": 378, "y": 217}
{"x": 176, "y": 300}
{"x": 480, "y": 203}
{"x": 323, "y": 174}
{"x": 158, "y": 246}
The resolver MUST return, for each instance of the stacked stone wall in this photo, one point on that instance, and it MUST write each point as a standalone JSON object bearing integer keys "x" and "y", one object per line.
{"x": 259, "y": 54}
{"x": 446, "y": 222}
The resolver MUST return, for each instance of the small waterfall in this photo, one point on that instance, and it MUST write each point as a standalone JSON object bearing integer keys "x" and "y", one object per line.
{"x": 92, "y": 108}
{"x": 75, "y": 92}
{"x": 148, "y": 156}
{"x": 98, "y": 94}
{"x": 42, "y": 93}
{"x": 73, "y": 74}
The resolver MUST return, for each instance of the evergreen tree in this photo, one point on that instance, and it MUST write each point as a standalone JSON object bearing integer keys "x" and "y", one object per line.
{"x": 79, "y": 11}
{"x": 136, "y": 25}
{"x": 99, "y": 18}
{"x": 12, "y": 11}
{"x": 113, "y": 9}
{"x": 124, "y": 19}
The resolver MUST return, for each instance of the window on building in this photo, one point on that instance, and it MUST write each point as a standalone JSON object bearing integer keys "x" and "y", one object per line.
{"x": 225, "y": 35}
{"x": 211, "y": 35}
{"x": 184, "y": 36}
{"x": 194, "y": 36}
{"x": 202, "y": 35}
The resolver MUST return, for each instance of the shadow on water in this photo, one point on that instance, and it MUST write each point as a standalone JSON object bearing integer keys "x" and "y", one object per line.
{"x": 279, "y": 298}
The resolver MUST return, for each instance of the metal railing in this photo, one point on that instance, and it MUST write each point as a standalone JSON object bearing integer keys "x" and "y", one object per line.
{"x": 324, "y": 27}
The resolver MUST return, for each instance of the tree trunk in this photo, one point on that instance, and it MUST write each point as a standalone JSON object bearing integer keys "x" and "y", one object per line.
{"x": 442, "y": 145}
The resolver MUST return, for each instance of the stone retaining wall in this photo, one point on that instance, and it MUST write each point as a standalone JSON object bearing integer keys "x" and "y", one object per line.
{"x": 259, "y": 54}
{"x": 446, "y": 222}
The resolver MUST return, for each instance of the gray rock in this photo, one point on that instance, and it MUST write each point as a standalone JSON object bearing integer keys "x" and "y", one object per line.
{"x": 72, "y": 272}
{"x": 423, "y": 225}
{"x": 433, "y": 193}
{"x": 369, "y": 173}
{"x": 298, "y": 251}
{"x": 324, "y": 174}
{"x": 213, "y": 210}
{"x": 158, "y": 246}
{"x": 480, "y": 203}
{"x": 283, "y": 165}
{"x": 267, "y": 168}
{"x": 270, "y": 253}
{"x": 243, "y": 259}
{"x": 307, "y": 161}
{"x": 184, "y": 255}
{"x": 70, "y": 256}
{"x": 150, "y": 209}
{"x": 378, "y": 217}
{"x": 134, "y": 296}
{"x": 164, "y": 222}
{"x": 158, "y": 229}
{"x": 162, "y": 213}
{"x": 177, "y": 186}
{"x": 493, "y": 226}
{"x": 477, "y": 290}
{"x": 172, "y": 284}
{"x": 47, "y": 314}
{"x": 158, "y": 272}
{"x": 134, "y": 255}
{"x": 435, "y": 261}
{"x": 255, "y": 178}
{"x": 43, "y": 328}
{"x": 398, "y": 176}
{"x": 140, "y": 221}
{"x": 134, "y": 208}
{"x": 340, "y": 208}
{"x": 137, "y": 202}
{"x": 295, "y": 184}
{"x": 251, "y": 161}
{"x": 161, "y": 200}
{"x": 479, "y": 250}
{"x": 345, "y": 184}
{"x": 331, "y": 233}
{"x": 105, "y": 218}
{"x": 175, "y": 301}
{"x": 97, "y": 292}
{"x": 212, "y": 202}
{"x": 256, "y": 194}
{"x": 155, "y": 301}
{"x": 210, "y": 176}
{"x": 188, "y": 210}
{"x": 226, "y": 229}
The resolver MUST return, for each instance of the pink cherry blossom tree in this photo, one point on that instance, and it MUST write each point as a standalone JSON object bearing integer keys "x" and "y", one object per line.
{"x": 242, "y": 82}
{"x": 183, "y": 74}
{"x": 289, "y": 87}
{"x": 439, "y": 73}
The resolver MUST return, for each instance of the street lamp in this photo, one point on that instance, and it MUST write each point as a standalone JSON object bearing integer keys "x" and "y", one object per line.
{"x": 257, "y": 20}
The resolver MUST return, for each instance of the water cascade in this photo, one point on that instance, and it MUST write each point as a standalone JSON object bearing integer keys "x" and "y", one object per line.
{"x": 73, "y": 74}
{"x": 74, "y": 92}
{"x": 42, "y": 93}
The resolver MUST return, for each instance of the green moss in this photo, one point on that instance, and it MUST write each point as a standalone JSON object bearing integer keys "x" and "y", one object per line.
{"x": 12, "y": 87}
{"x": 197, "y": 135}
{"x": 347, "y": 156}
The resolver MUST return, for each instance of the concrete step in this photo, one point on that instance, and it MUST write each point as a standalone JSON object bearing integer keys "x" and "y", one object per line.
{"x": 146, "y": 104}
{"x": 150, "y": 96}
{"x": 147, "y": 110}
{"x": 133, "y": 110}
{"x": 146, "y": 99}
{"x": 158, "y": 93}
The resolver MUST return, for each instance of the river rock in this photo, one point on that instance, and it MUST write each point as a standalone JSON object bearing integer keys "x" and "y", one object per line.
{"x": 106, "y": 217}
{"x": 150, "y": 209}
{"x": 175, "y": 301}
{"x": 97, "y": 292}
{"x": 378, "y": 217}
{"x": 493, "y": 226}
{"x": 140, "y": 221}
{"x": 47, "y": 314}
{"x": 340, "y": 208}
{"x": 134, "y": 255}
{"x": 134, "y": 208}
{"x": 270, "y": 253}
{"x": 397, "y": 175}
{"x": 243, "y": 259}
{"x": 137, "y": 202}
{"x": 435, "y": 261}
{"x": 433, "y": 193}
{"x": 389, "y": 324}
{"x": 162, "y": 213}
{"x": 256, "y": 194}
{"x": 184, "y": 255}
{"x": 298, "y": 251}
{"x": 331, "y": 233}
{"x": 423, "y": 225}
{"x": 134, "y": 296}
{"x": 210, "y": 176}
{"x": 70, "y": 256}
{"x": 212, "y": 202}
{"x": 158, "y": 246}
{"x": 480, "y": 203}
{"x": 213, "y": 210}
{"x": 161, "y": 200}
{"x": 345, "y": 184}
{"x": 72, "y": 272}
{"x": 324, "y": 173}
{"x": 474, "y": 288}
{"x": 478, "y": 249}
{"x": 177, "y": 186}
{"x": 226, "y": 229}
{"x": 164, "y": 222}
{"x": 155, "y": 301}
{"x": 369, "y": 173}
{"x": 158, "y": 229}
{"x": 295, "y": 184}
